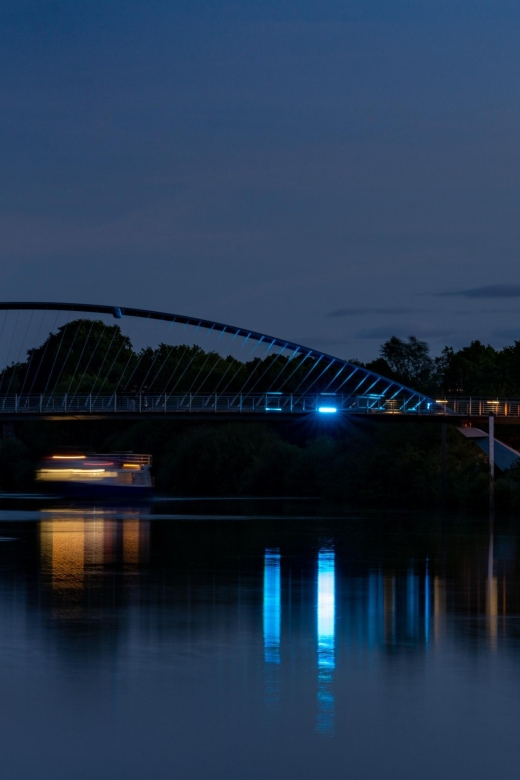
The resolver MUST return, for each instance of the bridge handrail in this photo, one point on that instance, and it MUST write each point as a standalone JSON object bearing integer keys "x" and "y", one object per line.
{"x": 261, "y": 403}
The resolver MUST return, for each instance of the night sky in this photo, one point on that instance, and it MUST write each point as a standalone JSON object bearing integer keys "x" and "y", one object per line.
{"x": 329, "y": 172}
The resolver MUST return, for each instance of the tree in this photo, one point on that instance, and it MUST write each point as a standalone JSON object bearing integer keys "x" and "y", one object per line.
{"x": 474, "y": 370}
{"x": 83, "y": 356}
{"x": 410, "y": 363}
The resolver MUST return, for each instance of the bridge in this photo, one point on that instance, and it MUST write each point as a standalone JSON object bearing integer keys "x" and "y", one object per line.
{"x": 251, "y": 406}
{"x": 74, "y": 361}
{"x": 82, "y": 361}
{"x": 78, "y": 361}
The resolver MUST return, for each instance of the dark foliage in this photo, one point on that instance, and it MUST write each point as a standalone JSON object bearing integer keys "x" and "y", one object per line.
{"x": 367, "y": 463}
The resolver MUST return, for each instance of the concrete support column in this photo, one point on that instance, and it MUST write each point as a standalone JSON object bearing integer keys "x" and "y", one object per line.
{"x": 491, "y": 463}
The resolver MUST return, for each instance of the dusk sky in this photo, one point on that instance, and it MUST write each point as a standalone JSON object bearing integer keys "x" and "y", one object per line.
{"x": 328, "y": 172}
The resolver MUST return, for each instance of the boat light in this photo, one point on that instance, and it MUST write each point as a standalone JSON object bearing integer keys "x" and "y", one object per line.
{"x": 68, "y": 457}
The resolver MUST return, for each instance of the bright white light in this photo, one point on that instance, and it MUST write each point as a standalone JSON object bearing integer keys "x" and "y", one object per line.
{"x": 327, "y": 409}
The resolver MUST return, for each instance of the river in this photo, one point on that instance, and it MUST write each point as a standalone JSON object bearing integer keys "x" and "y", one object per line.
{"x": 234, "y": 640}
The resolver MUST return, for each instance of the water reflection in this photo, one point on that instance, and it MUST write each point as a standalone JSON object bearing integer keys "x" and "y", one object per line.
{"x": 491, "y": 590}
{"x": 272, "y": 606}
{"x": 412, "y": 604}
{"x": 439, "y": 607}
{"x": 427, "y": 603}
{"x": 382, "y": 610}
{"x": 326, "y": 609}
{"x": 63, "y": 552}
{"x": 207, "y": 616}
{"x": 75, "y": 545}
{"x": 272, "y": 619}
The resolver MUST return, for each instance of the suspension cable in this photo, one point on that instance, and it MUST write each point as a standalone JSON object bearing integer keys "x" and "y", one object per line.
{"x": 15, "y": 371}
{"x": 103, "y": 363}
{"x": 44, "y": 352}
{"x": 289, "y": 360}
{"x": 217, "y": 362}
{"x": 202, "y": 367}
{"x": 114, "y": 360}
{"x": 267, "y": 369}
{"x": 56, "y": 355}
{"x": 320, "y": 375}
{"x": 155, "y": 358}
{"x": 98, "y": 342}
{"x": 142, "y": 353}
{"x": 66, "y": 360}
{"x": 308, "y": 374}
{"x": 9, "y": 350}
{"x": 243, "y": 365}
{"x": 179, "y": 362}
{"x": 197, "y": 348}
{"x": 358, "y": 386}
{"x": 79, "y": 359}
{"x": 195, "y": 353}
{"x": 309, "y": 353}
{"x": 231, "y": 362}
{"x": 29, "y": 364}
{"x": 255, "y": 369}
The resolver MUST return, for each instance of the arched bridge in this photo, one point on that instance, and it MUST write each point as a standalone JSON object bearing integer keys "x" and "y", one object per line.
{"x": 88, "y": 361}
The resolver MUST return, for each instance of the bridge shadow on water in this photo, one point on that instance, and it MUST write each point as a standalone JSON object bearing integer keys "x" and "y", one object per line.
{"x": 266, "y": 633}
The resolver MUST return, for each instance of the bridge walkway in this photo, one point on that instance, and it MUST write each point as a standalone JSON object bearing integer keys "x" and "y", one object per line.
{"x": 255, "y": 406}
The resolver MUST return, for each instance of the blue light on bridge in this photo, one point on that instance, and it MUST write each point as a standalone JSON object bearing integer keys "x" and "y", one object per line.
{"x": 327, "y": 409}
{"x": 326, "y": 639}
{"x": 272, "y": 402}
{"x": 272, "y": 606}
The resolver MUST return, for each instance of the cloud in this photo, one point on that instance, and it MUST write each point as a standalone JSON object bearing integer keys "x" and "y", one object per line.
{"x": 403, "y": 332}
{"x": 490, "y": 291}
{"x": 356, "y": 312}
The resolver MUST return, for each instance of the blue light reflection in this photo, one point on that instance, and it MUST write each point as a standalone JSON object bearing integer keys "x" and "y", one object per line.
{"x": 272, "y": 606}
{"x": 326, "y": 640}
{"x": 427, "y": 604}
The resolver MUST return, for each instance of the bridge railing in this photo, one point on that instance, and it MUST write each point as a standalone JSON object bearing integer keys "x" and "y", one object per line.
{"x": 262, "y": 404}
{"x": 479, "y": 407}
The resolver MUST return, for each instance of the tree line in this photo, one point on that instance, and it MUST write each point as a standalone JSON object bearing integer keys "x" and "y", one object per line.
{"x": 87, "y": 356}
{"x": 478, "y": 369}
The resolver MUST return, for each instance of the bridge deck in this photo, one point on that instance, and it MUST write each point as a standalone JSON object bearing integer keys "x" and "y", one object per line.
{"x": 266, "y": 405}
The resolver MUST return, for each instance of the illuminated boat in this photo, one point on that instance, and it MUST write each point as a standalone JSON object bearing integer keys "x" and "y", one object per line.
{"x": 91, "y": 475}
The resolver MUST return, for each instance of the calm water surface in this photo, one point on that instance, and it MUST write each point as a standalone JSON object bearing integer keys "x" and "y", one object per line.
{"x": 192, "y": 641}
